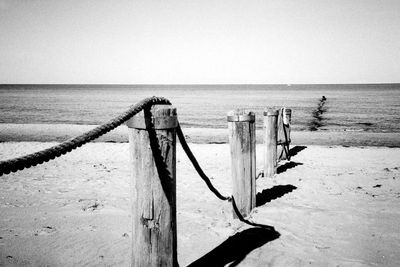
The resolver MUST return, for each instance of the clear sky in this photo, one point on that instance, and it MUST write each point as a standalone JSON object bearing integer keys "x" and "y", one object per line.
{"x": 199, "y": 41}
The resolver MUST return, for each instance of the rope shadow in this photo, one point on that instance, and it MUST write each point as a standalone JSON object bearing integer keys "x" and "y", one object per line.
{"x": 295, "y": 150}
{"x": 233, "y": 250}
{"x": 287, "y": 166}
{"x": 267, "y": 195}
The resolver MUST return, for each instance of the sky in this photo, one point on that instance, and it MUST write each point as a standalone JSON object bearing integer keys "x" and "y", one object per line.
{"x": 199, "y": 41}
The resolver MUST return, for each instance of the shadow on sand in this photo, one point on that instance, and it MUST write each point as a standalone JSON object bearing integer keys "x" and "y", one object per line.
{"x": 233, "y": 250}
{"x": 267, "y": 195}
{"x": 286, "y": 166}
{"x": 295, "y": 150}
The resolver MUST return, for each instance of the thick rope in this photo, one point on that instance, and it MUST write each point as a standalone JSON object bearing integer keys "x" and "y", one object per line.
{"x": 45, "y": 155}
{"x": 285, "y": 144}
{"x": 196, "y": 165}
{"x": 205, "y": 178}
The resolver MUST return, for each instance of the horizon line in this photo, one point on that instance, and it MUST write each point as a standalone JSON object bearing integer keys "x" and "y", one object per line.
{"x": 198, "y": 84}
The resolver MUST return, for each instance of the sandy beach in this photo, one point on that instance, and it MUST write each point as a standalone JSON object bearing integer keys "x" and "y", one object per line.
{"x": 321, "y": 75}
{"x": 330, "y": 206}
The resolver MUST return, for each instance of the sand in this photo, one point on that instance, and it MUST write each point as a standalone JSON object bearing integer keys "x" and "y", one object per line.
{"x": 330, "y": 206}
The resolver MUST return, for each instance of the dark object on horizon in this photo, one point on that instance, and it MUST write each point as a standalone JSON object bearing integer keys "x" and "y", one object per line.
{"x": 317, "y": 120}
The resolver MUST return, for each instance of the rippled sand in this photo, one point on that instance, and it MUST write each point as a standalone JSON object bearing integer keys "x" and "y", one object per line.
{"x": 330, "y": 206}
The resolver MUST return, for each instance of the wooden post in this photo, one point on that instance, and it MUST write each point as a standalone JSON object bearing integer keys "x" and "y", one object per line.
{"x": 242, "y": 139}
{"x": 270, "y": 138}
{"x": 283, "y": 133}
{"x": 152, "y": 139}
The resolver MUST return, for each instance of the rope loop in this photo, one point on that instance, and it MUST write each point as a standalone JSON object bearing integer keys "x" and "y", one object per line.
{"x": 207, "y": 180}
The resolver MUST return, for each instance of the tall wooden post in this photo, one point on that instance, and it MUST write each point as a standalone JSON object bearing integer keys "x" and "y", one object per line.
{"x": 270, "y": 138}
{"x": 284, "y": 120}
{"x": 152, "y": 139}
{"x": 242, "y": 139}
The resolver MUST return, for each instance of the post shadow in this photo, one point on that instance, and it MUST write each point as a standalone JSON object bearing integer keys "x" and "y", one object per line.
{"x": 295, "y": 150}
{"x": 267, "y": 195}
{"x": 166, "y": 179}
{"x": 233, "y": 250}
{"x": 286, "y": 166}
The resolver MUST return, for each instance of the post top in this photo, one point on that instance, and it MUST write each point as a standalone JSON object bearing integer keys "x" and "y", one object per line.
{"x": 271, "y": 112}
{"x": 241, "y": 115}
{"x": 162, "y": 110}
{"x": 161, "y": 117}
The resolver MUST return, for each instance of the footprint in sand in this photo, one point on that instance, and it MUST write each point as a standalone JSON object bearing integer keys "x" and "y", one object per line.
{"x": 391, "y": 169}
{"x": 92, "y": 228}
{"x": 46, "y": 230}
{"x": 91, "y": 204}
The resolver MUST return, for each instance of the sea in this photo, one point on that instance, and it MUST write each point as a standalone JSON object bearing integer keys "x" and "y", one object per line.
{"x": 348, "y": 107}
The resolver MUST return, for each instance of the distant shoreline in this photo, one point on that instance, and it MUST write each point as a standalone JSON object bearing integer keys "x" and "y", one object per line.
{"x": 180, "y": 84}
{"x": 359, "y": 107}
{"x": 62, "y": 132}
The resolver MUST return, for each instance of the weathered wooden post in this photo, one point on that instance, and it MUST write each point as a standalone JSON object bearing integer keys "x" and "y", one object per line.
{"x": 270, "y": 138}
{"x": 152, "y": 139}
{"x": 284, "y": 120}
{"x": 242, "y": 139}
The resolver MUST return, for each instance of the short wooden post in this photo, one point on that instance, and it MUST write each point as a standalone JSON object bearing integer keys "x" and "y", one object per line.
{"x": 242, "y": 139}
{"x": 152, "y": 139}
{"x": 270, "y": 138}
{"x": 283, "y": 142}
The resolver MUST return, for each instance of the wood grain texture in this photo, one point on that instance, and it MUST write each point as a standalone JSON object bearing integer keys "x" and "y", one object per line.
{"x": 242, "y": 139}
{"x": 270, "y": 142}
{"x": 153, "y": 190}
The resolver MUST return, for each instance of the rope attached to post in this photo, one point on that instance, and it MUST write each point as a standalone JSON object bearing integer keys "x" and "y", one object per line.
{"x": 45, "y": 155}
{"x": 205, "y": 178}
{"x": 196, "y": 165}
{"x": 285, "y": 144}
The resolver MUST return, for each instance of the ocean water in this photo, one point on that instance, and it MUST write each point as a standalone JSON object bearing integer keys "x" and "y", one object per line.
{"x": 372, "y": 108}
